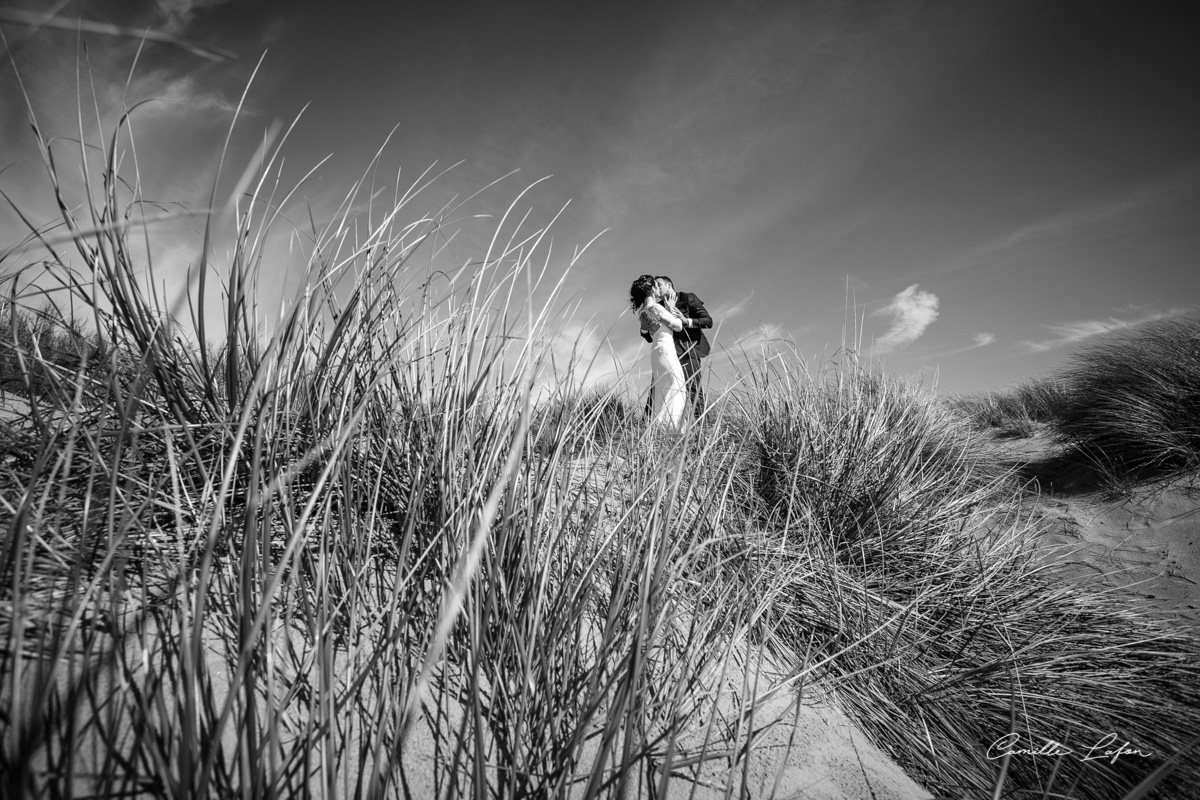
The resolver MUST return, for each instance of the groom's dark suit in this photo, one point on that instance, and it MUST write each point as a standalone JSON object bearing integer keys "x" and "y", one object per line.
{"x": 691, "y": 345}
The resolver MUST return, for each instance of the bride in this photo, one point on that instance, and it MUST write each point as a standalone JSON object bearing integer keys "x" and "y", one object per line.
{"x": 654, "y": 303}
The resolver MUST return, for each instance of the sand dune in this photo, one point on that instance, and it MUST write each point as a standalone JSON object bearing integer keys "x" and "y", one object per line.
{"x": 1144, "y": 539}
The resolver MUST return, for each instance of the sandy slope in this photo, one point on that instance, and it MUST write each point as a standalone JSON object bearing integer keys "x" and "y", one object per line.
{"x": 801, "y": 747}
{"x": 813, "y": 752}
{"x": 1146, "y": 539}
{"x": 1148, "y": 543}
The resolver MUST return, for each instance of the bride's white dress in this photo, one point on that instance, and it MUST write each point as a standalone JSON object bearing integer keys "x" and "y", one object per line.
{"x": 670, "y": 393}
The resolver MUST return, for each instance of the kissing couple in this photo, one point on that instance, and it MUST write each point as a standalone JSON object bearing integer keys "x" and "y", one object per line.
{"x": 672, "y": 322}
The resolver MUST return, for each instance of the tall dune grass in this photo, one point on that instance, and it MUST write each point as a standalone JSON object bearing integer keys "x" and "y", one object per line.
{"x": 347, "y": 555}
{"x": 1132, "y": 399}
{"x": 1125, "y": 408}
{"x": 925, "y": 603}
{"x": 1015, "y": 412}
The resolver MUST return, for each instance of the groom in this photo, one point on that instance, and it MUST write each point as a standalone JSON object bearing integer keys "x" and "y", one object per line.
{"x": 690, "y": 344}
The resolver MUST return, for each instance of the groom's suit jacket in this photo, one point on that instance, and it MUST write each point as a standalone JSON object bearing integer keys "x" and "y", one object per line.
{"x": 691, "y": 307}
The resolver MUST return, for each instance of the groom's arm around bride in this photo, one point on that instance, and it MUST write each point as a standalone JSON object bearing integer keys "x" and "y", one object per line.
{"x": 695, "y": 319}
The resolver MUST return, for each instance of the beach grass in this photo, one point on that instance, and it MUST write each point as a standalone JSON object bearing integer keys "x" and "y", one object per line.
{"x": 346, "y": 551}
{"x": 1132, "y": 399}
{"x": 1123, "y": 410}
{"x": 1016, "y": 412}
{"x": 920, "y": 537}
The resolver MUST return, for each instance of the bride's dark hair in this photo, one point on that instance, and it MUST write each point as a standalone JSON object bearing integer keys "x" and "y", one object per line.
{"x": 642, "y": 288}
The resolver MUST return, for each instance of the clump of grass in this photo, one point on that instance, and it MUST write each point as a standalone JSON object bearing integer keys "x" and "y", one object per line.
{"x": 39, "y": 347}
{"x": 1132, "y": 399}
{"x": 583, "y": 421}
{"x": 865, "y": 460}
{"x": 923, "y": 602}
{"x": 1014, "y": 413}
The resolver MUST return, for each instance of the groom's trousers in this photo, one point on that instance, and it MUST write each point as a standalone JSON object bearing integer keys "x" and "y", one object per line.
{"x": 690, "y": 360}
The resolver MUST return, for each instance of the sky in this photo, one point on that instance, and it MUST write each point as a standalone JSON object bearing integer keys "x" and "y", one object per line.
{"x": 965, "y": 193}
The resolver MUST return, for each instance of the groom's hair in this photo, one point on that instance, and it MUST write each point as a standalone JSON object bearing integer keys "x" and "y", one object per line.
{"x": 665, "y": 278}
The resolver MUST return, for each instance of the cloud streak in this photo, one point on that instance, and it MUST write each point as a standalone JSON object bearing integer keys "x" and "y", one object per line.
{"x": 1073, "y": 332}
{"x": 764, "y": 335}
{"x": 178, "y": 14}
{"x": 581, "y": 354}
{"x": 978, "y": 340}
{"x": 983, "y": 339}
{"x": 737, "y": 307}
{"x": 911, "y": 311}
{"x": 1146, "y": 201}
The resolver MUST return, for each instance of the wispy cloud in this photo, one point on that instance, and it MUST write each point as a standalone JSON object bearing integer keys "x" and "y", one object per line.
{"x": 983, "y": 339}
{"x": 1072, "y": 332}
{"x": 911, "y": 311}
{"x": 760, "y": 343}
{"x": 181, "y": 96}
{"x": 580, "y": 353}
{"x": 978, "y": 340}
{"x": 737, "y": 307}
{"x": 1142, "y": 202}
{"x": 764, "y": 334}
{"x": 178, "y": 14}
